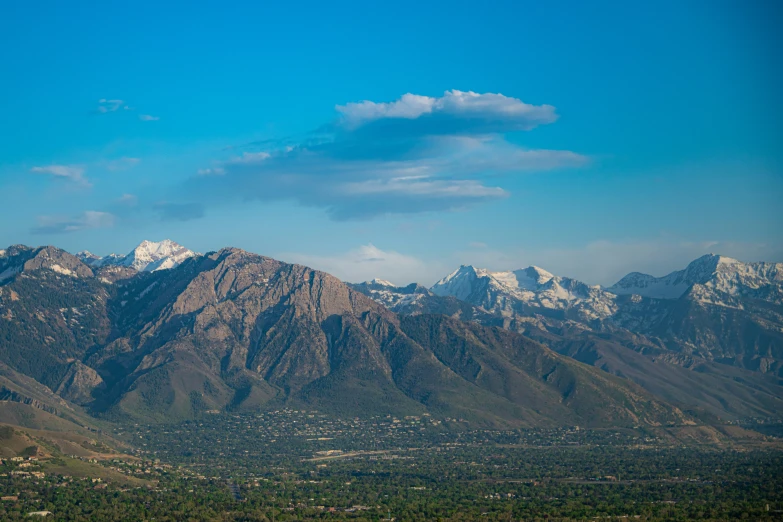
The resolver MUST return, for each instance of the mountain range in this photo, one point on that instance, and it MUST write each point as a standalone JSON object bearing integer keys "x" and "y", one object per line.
{"x": 713, "y": 344}
{"x": 164, "y": 334}
{"x": 716, "y": 309}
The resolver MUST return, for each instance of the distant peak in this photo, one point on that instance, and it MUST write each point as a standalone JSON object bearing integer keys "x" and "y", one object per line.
{"x": 718, "y": 271}
{"x": 381, "y": 282}
{"x": 716, "y": 259}
{"x": 701, "y": 269}
{"x": 147, "y": 256}
{"x": 166, "y": 244}
{"x": 460, "y": 282}
{"x": 468, "y": 271}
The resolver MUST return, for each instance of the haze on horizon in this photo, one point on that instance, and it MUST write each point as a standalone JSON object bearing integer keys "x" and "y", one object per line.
{"x": 369, "y": 142}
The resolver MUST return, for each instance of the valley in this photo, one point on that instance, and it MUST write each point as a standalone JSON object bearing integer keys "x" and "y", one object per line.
{"x": 294, "y": 465}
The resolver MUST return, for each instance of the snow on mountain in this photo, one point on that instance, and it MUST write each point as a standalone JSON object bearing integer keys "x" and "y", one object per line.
{"x": 86, "y": 255}
{"x": 706, "y": 275}
{"x": 416, "y": 299}
{"x": 710, "y": 279}
{"x": 381, "y": 282}
{"x": 526, "y": 291}
{"x": 391, "y": 296}
{"x": 463, "y": 282}
{"x": 147, "y": 257}
{"x": 648, "y": 286}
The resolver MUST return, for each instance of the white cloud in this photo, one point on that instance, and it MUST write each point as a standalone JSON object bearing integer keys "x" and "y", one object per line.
{"x": 128, "y": 199}
{"x": 487, "y": 107}
{"x": 89, "y": 219}
{"x": 215, "y": 171}
{"x": 148, "y": 117}
{"x": 368, "y": 262}
{"x": 251, "y": 157}
{"x": 408, "y": 106}
{"x": 72, "y": 173}
{"x": 424, "y": 187}
{"x": 417, "y": 154}
{"x": 502, "y": 157}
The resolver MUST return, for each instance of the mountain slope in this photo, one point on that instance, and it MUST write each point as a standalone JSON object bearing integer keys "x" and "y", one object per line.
{"x": 26, "y": 402}
{"x": 52, "y": 309}
{"x": 530, "y": 375}
{"x": 704, "y": 388}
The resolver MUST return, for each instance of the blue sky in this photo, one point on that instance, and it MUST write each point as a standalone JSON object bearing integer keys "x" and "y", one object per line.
{"x": 398, "y": 140}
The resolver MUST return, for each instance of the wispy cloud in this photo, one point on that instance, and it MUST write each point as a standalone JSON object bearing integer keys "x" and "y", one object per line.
{"x": 71, "y": 173}
{"x": 121, "y": 163}
{"x": 89, "y": 219}
{"x": 106, "y": 105}
{"x": 415, "y": 154}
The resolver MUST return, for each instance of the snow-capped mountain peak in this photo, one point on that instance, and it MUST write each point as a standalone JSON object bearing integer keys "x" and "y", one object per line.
{"x": 460, "y": 283}
{"x": 524, "y": 291}
{"x": 86, "y": 254}
{"x": 381, "y": 282}
{"x": 714, "y": 273}
{"x": 530, "y": 278}
{"x": 148, "y": 256}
